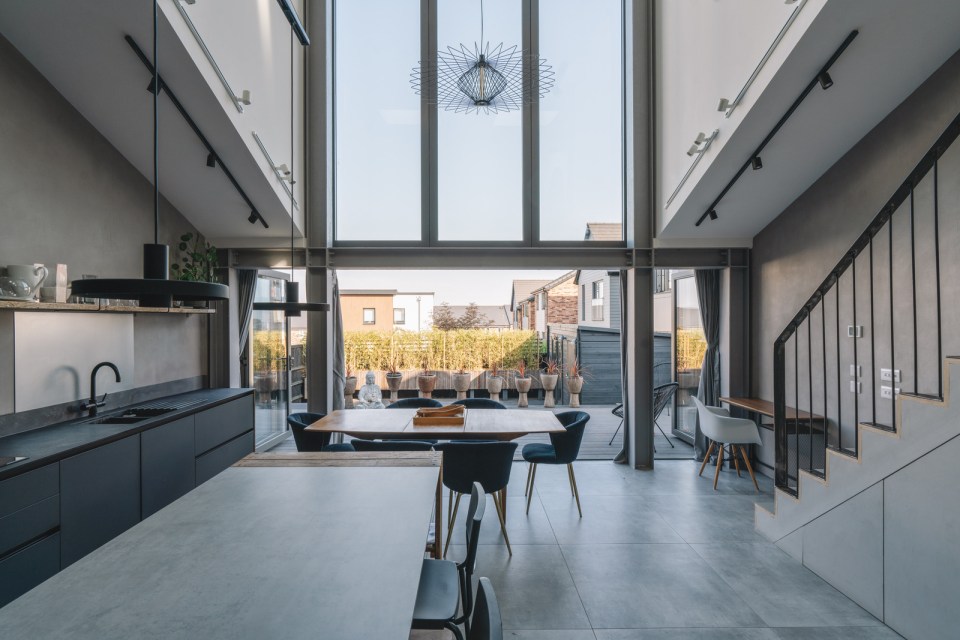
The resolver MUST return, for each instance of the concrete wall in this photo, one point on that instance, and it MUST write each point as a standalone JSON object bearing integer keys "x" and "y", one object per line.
{"x": 795, "y": 253}
{"x": 67, "y": 196}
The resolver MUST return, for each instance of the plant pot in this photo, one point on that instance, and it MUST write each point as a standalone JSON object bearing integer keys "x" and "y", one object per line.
{"x": 574, "y": 386}
{"x": 494, "y": 386}
{"x": 393, "y": 383}
{"x": 523, "y": 388}
{"x": 426, "y": 382}
{"x": 461, "y": 382}
{"x": 349, "y": 387}
{"x": 549, "y": 381}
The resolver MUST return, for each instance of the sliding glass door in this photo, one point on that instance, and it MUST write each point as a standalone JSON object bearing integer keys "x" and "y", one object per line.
{"x": 269, "y": 340}
{"x": 689, "y": 348}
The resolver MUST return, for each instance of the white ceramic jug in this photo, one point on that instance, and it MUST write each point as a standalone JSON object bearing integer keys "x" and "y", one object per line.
{"x": 32, "y": 276}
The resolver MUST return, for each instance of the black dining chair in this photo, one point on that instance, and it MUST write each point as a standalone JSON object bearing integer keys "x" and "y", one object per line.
{"x": 391, "y": 445}
{"x": 662, "y": 395}
{"x": 312, "y": 440}
{"x": 445, "y": 584}
{"x": 487, "y": 623}
{"x": 563, "y": 449}
{"x": 489, "y": 463}
{"x": 415, "y": 403}
{"x": 479, "y": 403}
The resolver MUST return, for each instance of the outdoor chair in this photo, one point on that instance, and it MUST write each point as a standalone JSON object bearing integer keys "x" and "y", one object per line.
{"x": 487, "y": 624}
{"x": 414, "y": 403}
{"x": 662, "y": 397}
{"x": 563, "y": 449}
{"x": 489, "y": 463}
{"x": 480, "y": 403}
{"x": 311, "y": 440}
{"x": 445, "y": 584}
{"x": 717, "y": 425}
{"x": 391, "y": 445}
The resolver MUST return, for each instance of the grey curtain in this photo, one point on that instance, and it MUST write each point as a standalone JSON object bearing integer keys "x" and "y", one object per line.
{"x": 246, "y": 286}
{"x": 708, "y": 295}
{"x": 621, "y": 457}
{"x": 339, "y": 364}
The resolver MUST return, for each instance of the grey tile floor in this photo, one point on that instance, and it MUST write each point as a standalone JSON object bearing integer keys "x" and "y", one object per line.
{"x": 657, "y": 555}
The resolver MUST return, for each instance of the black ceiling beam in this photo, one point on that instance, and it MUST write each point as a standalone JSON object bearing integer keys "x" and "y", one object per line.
{"x": 796, "y": 103}
{"x": 193, "y": 125}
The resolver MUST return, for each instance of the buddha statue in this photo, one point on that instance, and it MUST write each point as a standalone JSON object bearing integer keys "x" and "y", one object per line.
{"x": 369, "y": 396}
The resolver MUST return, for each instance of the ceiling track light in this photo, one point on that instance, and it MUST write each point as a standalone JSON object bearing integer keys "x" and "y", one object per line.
{"x": 823, "y": 79}
{"x": 702, "y": 142}
{"x": 211, "y": 161}
{"x": 244, "y": 97}
{"x": 724, "y": 105}
{"x": 255, "y": 217}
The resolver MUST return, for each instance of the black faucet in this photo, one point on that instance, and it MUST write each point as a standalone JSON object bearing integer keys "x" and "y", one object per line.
{"x": 93, "y": 404}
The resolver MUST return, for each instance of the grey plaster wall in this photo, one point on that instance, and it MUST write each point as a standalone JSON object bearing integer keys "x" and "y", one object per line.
{"x": 67, "y": 196}
{"x": 793, "y": 254}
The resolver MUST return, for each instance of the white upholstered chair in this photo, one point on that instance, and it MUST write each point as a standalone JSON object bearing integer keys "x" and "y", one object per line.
{"x": 722, "y": 430}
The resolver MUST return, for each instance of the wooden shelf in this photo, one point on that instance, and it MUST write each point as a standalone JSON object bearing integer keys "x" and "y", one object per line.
{"x": 17, "y": 305}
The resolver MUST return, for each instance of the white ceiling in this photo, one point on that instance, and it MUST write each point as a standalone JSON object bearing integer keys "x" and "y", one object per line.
{"x": 80, "y": 48}
{"x": 901, "y": 42}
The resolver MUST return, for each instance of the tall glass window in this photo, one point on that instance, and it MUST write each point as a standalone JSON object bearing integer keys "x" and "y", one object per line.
{"x": 480, "y": 155}
{"x": 377, "y": 121}
{"x": 581, "y": 132}
{"x": 691, "y": 345}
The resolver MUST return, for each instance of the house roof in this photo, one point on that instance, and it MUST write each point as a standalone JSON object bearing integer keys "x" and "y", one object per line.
{"x": 555, "y": 282}
{"x": 523, "y": 289}
{"x": 368, "y": 292}
{"x": 498, "y": 315}
{"x": 604, "y": 231}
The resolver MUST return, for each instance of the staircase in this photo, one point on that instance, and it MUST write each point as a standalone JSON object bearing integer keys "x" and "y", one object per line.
{"x": 866, "y": 435}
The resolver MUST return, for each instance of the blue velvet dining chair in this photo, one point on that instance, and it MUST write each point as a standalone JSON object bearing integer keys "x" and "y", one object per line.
{"x": 415, "y": 403}
{"x": 480, "y": 403}
{"x": 312, "y": 440}
{"x": 563, "y": 449}
{"x": 391, "y": 445}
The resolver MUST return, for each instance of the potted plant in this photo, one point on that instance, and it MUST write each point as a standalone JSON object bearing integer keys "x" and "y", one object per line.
{"x": 426, "y": 380}
{"x": 394, "y": 377}
{"x": 494, "y": 381}
{"x": 575, "y": 382}
{"x": 349, "y": 387}
{"x": 549, "y": 378}
{"x": 523, "y": 382}
{"x": 198, "y": 260}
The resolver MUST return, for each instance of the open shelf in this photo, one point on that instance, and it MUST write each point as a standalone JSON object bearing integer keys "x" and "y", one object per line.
{"x": 17, "y": 305}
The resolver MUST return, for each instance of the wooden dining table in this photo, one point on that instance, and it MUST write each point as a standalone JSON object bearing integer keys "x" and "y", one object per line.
{"x": 397, "y": 424}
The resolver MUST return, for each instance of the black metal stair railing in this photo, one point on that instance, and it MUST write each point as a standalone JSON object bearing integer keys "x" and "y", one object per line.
{"x": 811, "y": 414}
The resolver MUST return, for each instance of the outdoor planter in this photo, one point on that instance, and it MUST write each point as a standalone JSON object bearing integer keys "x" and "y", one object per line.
{"x": 549, "y": 381}
{"x": 494, "y": 386}
{"x": 426, "y": 382}
{"x": 574, "y": 386}
{"x": 523, "y": 387}
{"x": 349, "y": 386}
{"x": 461, "y": 382}
{"x": 393, "y": 383}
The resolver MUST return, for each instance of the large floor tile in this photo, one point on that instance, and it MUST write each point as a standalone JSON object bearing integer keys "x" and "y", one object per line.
{"x": 607, "y": 519}
{"x": 780, "y": 589}
{"x": 705, "y": 519}
{"x": 548, "y": 635}
{"x": 837, "y": 633}
{"x": 522, "y": 528}
{"x": 533, "y": 587}
{"x": 636, "y": 586}
{"x": 687, "y": 634}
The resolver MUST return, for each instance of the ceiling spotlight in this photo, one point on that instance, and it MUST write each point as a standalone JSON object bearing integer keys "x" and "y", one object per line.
{"x": 693, "y": 150}
{"x": 150, "y": 87}
{"x": 244, "y": 97}
{"x": 211, "y": 160}
{"x": 756, "y": 163}
{"x": 195, "y": 1}
{"x": 713, "y": 214}
{"x": 695, "y": 147}
{"x": 724, "y": 105}
{"x": 284, "y": 169}
{"x": 252, "y": 219}
{"x": 825, "y": 80}
{"x": 700, "y": 138}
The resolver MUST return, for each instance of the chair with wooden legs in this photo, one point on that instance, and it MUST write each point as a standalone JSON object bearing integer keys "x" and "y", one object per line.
{"x": 563, "y": 449}
{"x": 488, "y": 463}
{"x": 717, "y": 425}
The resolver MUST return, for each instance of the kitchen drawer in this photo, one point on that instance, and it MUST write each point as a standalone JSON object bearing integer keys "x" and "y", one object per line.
{"x": 222, "y": 423}
{"x": 167, "y": 464}
{"x": 29, "y": 523}
{"x": 213, "y": 462}
{"x": 27, "y": 488}
{"x": 28, "y": 567}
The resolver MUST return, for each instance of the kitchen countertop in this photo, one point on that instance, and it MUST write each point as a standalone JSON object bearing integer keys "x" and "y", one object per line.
{"x": 56, "y": 442}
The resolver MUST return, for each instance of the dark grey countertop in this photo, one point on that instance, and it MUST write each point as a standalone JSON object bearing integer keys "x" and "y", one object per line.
{"x": 49, "y": 444}
{"x": 281, "y": 552}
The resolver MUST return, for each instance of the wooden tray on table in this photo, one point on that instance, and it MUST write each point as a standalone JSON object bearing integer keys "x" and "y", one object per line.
{"x": 454, "y": 415}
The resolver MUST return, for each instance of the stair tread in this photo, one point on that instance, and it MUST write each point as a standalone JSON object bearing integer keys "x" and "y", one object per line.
{"x": 925, "y": 396}
{"x": 881, "y": 427}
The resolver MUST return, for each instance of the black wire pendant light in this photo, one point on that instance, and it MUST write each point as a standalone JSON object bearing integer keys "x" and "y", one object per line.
{"x": 484, "y": 78}
{"x": 292, "y": 305}
{"x": 155, "y": 289}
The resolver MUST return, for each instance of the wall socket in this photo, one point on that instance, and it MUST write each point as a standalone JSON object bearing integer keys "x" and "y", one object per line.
{"x": 890, "y": 376}
{"x": 854, "y": 331}
{"x": 856, "y": 387}
{"x": 855, "y": 370}
{"x": 888, "y": 392}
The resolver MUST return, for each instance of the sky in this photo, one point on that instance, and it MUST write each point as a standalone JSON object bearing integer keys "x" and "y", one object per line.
{"x": 454, "y": 287}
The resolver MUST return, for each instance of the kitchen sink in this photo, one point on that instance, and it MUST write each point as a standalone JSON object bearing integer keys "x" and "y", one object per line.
{"x": 124, "y": 419}
{"x": 148, "y": 412}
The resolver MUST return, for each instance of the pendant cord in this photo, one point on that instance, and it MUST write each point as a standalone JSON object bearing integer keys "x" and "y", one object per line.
{"x": 481, "y": 25}
{"x": 156, "y": 133}
{"x": 292, "y": 155}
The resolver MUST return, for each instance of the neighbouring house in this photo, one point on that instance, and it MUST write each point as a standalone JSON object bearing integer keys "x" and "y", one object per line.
{"x": 599, "y": 298}
{"x": 385, "y": 310}
{"x": 522, "y": 305}
{"x": 604, "y": 232}
{"x": 495, "y": 317}
{"x": 555, "y": 304}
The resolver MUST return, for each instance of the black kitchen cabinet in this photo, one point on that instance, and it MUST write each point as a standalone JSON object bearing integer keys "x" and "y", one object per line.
{"x": 213, "y": 462}
{"x": 99, "y": 497}
{"x": 28, "y": 567}
{"x": 222, "y": 423}
{"x": 167, "y": 464}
